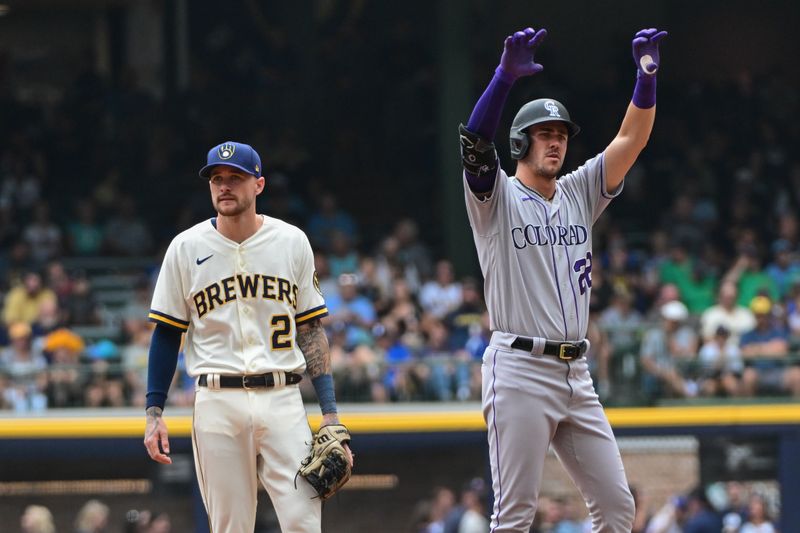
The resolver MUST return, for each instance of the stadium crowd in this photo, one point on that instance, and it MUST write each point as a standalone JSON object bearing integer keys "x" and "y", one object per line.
{"x": 94, "y": 516}
{"x": 696, "y": 289}
{"x": 724, "y": 507}
{"x": 730, "y": 507}
{"x": 696, "y": 283}
{"x": 402, "y": 327}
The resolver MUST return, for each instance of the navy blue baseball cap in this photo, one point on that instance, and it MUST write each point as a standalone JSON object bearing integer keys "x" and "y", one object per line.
{"x": 239, "y": 155}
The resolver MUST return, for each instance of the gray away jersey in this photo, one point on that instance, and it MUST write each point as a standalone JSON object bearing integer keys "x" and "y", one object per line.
{"x": 536, "y": 256}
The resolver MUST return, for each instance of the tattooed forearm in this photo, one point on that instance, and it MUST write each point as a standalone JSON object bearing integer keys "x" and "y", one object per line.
{"x": 152, "y": 421}
{"x": 314, "y": 344}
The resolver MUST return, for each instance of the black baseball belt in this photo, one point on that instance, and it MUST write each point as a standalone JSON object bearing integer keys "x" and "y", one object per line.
{"x": 562, "y": 350}
{"x": 250, "y": 381}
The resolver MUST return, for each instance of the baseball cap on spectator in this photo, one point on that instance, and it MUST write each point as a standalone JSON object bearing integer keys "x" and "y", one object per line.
{"x": 674, "y": 310}
{"x": 680, "y": 502}
{"x": 235, "y": 154}
{"x": 19, "y": 330}
{"x": 760, "y": 305}
{"x": 63, "y": 339}
{"x": 103, "y": 349}
{"x": 476, "y": 485}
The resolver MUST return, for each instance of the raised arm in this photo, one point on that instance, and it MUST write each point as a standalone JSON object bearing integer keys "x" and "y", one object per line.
{"x": 477, "y": 137}
{"x": 638, "y": 122}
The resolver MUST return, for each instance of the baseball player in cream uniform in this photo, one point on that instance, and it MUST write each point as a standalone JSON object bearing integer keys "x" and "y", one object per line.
{"x": 533, "y": 236}
{"x": 243, "y": 289}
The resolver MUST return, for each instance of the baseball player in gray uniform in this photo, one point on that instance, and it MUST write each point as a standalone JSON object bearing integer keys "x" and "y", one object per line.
{"x": 242, "y": 286}
{"x": 533, "y": 234}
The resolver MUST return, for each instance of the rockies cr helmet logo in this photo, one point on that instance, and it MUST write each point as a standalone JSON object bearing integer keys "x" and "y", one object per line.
{"x": 226, "y": 151}
{"x": 553, "y": 108}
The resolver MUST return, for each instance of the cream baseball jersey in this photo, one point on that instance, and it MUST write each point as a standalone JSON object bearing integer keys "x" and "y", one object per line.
{"x": 536, "y": 255}
{"x": 239, "y": 303}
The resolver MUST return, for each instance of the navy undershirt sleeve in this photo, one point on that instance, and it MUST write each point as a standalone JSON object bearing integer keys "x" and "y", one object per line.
{"x": 161, "y": 363}
{"x": 325, "y": 393}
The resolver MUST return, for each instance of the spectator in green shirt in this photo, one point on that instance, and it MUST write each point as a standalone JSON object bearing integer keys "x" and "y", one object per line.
{"x": 750, "y": 278}
{"x": 678, "y": 266}
{"x": 696, "y": 283}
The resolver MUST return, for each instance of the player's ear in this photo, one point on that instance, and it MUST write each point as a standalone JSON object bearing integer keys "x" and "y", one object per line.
{"x": 260, "y": 184}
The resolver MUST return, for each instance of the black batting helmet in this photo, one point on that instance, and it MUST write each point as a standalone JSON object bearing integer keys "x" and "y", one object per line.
{"x": 541, "y": 110}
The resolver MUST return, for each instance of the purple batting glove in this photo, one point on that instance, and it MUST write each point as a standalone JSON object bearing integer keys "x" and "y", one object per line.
{"x": 517, "y": 60}
{"x": 645, "y": 50}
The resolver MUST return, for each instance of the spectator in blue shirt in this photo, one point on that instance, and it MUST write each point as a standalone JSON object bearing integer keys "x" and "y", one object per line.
{"x": 354, "y": 311}
{"x": 764, "y": 350}
{"x": 702, "y": 518}
{"x": 784, "y": 269}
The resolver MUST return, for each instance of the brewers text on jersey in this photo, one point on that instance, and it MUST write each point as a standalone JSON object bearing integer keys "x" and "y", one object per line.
{"x": 243, "y": 286}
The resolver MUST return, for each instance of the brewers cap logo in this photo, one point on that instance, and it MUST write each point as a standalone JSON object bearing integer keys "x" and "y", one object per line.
{"x": 316, "y": 283}
{"x": 553, "y": 108}
{"x": 226, "y": 151}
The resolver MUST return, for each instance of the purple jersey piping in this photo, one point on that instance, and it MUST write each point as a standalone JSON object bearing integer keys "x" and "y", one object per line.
{"x": 571, "y": 284}
{"x": 603, "y": 178}
{"x": 558, "y": 288}
{"x": 531, "y": 196}
{"x": 499, "y": 503}
{"x": 558, "y": 285}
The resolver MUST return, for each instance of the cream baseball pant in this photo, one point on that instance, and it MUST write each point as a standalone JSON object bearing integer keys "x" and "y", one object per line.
{"x": 531, "y": 402}
{"x": 242, "y": 436}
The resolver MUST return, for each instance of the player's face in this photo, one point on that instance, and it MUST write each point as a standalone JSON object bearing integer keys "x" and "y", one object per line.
{"x": 548, "y": 148}
{"x": 233, "y": 191}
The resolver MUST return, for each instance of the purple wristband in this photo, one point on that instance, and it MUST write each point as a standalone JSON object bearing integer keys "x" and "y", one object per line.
{"x": 644, "y": 93}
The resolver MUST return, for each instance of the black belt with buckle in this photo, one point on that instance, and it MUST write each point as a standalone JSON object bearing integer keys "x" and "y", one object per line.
{"x": 562, "y": 350}
{"x": 250, "y": 381}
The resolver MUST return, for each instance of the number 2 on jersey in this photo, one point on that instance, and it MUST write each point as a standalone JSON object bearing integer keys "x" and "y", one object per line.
{"x": 281, "y": 332}
{"x": 584, "y": 266}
